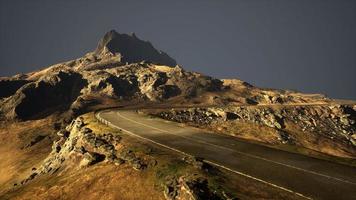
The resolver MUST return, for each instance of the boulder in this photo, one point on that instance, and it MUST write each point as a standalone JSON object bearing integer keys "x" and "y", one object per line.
{"x": 91, "y": 158}
{"x": 195, "y": 162}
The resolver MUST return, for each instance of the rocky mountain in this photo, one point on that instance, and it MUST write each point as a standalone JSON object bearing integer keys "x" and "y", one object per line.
{"x": 132, "y": 50}
{"x": 47, "y": 125}
{"x": 122, "y": 67}
{"x": 125, "y": 69}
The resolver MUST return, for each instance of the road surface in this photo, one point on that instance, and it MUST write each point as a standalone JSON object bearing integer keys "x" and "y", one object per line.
{"x": 307, "y": 177}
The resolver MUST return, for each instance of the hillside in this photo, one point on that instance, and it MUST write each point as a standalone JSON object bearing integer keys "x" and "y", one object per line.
{"x": 53, "y": 143}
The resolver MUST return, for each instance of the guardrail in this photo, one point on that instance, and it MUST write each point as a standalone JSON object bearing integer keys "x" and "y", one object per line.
{"x": 104, "y": 121}
{"x": 101, "y": 119}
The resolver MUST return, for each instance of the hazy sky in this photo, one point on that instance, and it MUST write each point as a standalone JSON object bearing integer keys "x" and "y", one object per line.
{"x": 306, "y": 45}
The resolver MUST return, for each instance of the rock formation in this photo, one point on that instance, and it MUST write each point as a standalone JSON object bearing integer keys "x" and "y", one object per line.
{"x": 114, "y": 70}
{"x": 78, "y": 147}
{"x": 124, "y": 68}
{"x": 57, "y": 89}
{"x": 315, "y": 127}
{"x": 132, "y": 50}
{"x": 126, "y": 71}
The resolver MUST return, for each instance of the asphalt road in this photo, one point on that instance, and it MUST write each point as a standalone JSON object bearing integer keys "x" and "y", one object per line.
{"x": 304, "y": 176}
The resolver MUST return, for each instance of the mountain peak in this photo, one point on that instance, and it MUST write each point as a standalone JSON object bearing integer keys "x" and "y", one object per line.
{"x": 132, "y": 49}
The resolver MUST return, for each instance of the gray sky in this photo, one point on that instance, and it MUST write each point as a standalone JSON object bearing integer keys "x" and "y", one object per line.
{"x": 306, "y": 45}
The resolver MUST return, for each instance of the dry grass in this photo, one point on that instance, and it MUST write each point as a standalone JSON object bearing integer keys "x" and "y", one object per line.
{"x": 102, "y": 181}
{"x": 248, "y": 131}
{"x": 318, "y": 146}
{"x": 15, "y": 161}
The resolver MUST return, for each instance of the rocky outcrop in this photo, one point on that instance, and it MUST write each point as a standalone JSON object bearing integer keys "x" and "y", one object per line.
{"x": 155, "y": 88}
{"x": 131, "y": 49}
{"x": 107, "y": 84}
{"x": 191, "y": 187}
{"x": 59, "y": 89}
{"x": 78, "y": 146}
{"x": 301, "y": 125}
{"x": 196, "y": 115}
{"x": 148, "y": 82}
{"x": 62, "y": 88}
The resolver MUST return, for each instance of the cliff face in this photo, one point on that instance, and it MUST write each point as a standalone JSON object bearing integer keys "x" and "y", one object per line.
{"x": 58, "y": 89}
{"x": 132, "y": 49}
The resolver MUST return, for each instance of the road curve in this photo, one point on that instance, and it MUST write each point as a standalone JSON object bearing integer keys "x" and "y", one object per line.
{"x": 307, "y": 177}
